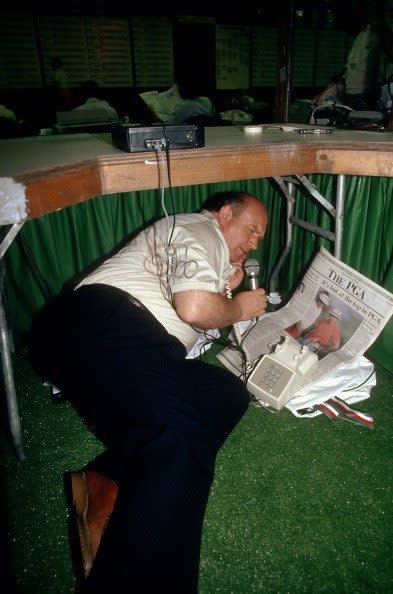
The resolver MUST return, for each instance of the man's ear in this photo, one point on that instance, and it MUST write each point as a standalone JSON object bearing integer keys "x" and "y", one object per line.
{"x": 225, "y": 214}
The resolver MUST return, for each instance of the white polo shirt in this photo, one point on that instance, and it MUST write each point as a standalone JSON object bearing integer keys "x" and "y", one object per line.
{"x": 183, "y": 252}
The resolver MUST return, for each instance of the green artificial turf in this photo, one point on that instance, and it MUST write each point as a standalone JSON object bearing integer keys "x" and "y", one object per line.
{"x": 297, "y": 505}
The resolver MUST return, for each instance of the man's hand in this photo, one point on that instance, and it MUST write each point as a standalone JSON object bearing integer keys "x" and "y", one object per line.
{"x": 237, "y": 278}
{"x": 252, "y": 303}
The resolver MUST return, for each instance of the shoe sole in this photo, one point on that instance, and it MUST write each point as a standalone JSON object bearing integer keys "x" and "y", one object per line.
{"x": 80, "y": 504}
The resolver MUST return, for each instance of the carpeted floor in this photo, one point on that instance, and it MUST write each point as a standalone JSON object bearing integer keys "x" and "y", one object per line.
{"x": 297, "y": 505}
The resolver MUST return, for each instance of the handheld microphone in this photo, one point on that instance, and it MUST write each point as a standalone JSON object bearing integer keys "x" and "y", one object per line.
{"x": 251, "y": 268}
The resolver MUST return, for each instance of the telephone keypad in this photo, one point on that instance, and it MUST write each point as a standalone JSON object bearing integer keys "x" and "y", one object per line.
{"x": 272, "y": 377}
{"x": 277, "y": 377}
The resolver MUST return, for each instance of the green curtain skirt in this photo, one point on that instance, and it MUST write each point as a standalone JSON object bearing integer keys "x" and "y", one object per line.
{"x": 56, "y": 248}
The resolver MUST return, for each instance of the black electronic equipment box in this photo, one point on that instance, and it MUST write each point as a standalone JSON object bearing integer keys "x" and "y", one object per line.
{"x": 140, "y": 138}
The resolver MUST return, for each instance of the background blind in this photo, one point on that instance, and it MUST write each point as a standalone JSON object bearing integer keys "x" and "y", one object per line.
{"x": 303, "y": 61}
{"x": 264, "y": 56}
{"x": 109, "y": 51}
{"x": 330, "y": 55}
{"x": 232, "y": 57}
{"x": 19, "y": 63}
{"x": 65, "y": 37}
{"x": 153, "y": 51}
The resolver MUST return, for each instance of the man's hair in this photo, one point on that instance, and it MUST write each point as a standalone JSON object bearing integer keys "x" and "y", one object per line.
{"x": 236, "y": 200}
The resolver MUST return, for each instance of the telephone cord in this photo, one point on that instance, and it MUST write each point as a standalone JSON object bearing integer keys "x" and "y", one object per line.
{"x": 238, "y": 337}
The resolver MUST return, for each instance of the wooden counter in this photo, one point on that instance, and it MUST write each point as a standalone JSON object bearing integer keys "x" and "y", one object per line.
{"x": 58, "y": 171}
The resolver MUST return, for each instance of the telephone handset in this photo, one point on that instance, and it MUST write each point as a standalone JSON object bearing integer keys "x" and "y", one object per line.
{"x": 278, "y": 375}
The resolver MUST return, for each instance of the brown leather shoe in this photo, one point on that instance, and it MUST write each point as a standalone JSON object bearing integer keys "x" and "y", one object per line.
{"x": 94, "y": 496}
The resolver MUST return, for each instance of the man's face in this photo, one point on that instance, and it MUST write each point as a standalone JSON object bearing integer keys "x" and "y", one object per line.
{"x": 242, "y": 232}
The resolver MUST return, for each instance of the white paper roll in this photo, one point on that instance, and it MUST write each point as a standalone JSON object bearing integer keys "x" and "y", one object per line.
{"x": 253, "y": 129}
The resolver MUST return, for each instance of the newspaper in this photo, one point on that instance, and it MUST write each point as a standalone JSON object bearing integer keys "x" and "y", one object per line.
{"x": 335, "y": 311}
{"x": 163, "y": 104}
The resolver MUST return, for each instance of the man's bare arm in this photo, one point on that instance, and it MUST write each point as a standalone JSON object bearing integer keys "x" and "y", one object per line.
{"x": 205, "y": 309}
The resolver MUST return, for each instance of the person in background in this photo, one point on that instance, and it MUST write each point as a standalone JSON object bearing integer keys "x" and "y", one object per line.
{"x": 7, "y": 113}
{"x": 320, "y": 304}
{"x": 385, "y": 30}
{"x": 12, "y": 127}
{"x": 8, "y": 123}
{"x": 121, "y": 338}
{"x": 94, "y": 108}
{"x": 334, "y": 92}
{"x": 370, "y": 61}
{"x": 362, "y": 66}
{"x": 365, "y": 82}
{"x": 196, "y": 108}
{"x": 386, "y": 63}
{"x": 63, "y": 95}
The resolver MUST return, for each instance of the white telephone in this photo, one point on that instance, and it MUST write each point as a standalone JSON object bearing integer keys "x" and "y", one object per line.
{"x": 277, "y": 376}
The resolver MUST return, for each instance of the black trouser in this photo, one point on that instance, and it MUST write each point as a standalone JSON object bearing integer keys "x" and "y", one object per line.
{"x": 162, "y": 418}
